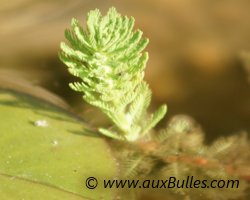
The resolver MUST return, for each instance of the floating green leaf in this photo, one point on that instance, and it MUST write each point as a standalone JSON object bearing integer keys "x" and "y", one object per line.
{"x": 47, "y": 154}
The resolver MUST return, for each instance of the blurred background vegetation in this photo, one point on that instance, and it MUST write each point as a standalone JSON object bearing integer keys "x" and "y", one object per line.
{"x": 195, "y": 50}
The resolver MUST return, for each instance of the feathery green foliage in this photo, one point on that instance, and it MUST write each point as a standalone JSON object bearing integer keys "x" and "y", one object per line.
{"x": 179, "y": 151}
{"x": 108, "y": 59}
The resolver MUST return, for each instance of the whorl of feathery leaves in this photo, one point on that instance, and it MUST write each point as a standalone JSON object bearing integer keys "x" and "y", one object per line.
{"x": 108, "y": 59}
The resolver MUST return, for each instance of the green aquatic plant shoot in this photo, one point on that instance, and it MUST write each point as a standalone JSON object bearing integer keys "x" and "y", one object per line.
{"x": 108, "y": 59}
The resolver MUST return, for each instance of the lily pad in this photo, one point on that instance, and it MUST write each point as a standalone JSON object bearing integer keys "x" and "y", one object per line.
{"x": 46, "y": 153}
